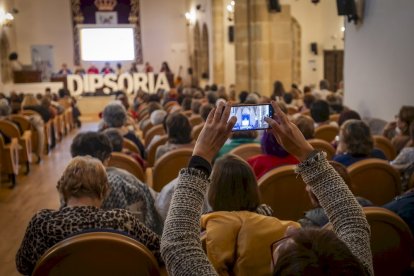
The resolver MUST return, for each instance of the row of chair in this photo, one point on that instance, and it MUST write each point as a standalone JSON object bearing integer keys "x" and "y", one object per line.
{"x": 108, "y": 253}
{"x": 25, "y": 137}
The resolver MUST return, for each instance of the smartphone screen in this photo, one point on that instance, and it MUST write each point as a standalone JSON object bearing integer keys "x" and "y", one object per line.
{"x": 251, "y": 117}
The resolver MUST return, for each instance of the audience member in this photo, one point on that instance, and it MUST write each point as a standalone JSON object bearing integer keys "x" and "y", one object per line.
{"x": 186, "y": 103}
{"x": 31, "y": 103}
{"x": 273, "y": 156}
{"x": 345, "y": 251}
{"x": 320, "y": 113}
{"x": 195, "y": 107}
{"x": 212, "y": 97}
{"x": 232, "y": 229}
{"x": 355, "y": 144}
{"x": 252, "y": 98}
{"x": 348, "y": 115}
{"x": 119, "y": 69}
{"x": 83, "y": 187}
{"x": 114, "y": 115}
{"x": 404, "y": 207}
{"x": 306, "y": 125}
{"x": 178, "y": 129}
{"x": 308, "y": 100}
{"x": 278, "y": 90}
{"x": 117, "y": 144}
{"x": 157, "y": 118}
{"x": 398, "y": 130}
{"x": 5, "y": 109}
{"x": 243, "y": 96}
{"x": 323, "y": 92}
{"x": 126, "y": 191}
{"x": 316, "y": 217}
{"x": 238, "y": 138}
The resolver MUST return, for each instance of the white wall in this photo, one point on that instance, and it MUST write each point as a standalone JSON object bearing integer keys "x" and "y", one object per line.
{"x": 49, "y": 22}
{"x": 379, "y": 59}
{"x": 321, "y": 24}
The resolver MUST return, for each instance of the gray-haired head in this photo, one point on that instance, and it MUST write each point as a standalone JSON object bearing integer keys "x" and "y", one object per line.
{"x": 114, "y": 115}
{"x": 5, "y": 109}
{"x": 157, "y": 117}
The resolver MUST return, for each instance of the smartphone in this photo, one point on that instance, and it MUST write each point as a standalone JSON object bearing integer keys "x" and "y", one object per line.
{"x": 251, "y": 117}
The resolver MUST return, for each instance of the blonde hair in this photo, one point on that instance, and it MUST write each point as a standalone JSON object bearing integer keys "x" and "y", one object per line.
{"x": 29, "y": 100}
{"x": 84, "y": 176}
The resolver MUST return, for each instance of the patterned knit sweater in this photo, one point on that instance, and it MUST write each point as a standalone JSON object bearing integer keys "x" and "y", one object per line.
{"x": 181, "y": 247}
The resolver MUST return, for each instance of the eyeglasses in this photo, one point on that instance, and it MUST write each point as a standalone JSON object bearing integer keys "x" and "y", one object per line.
{"x": 275, "y": 245}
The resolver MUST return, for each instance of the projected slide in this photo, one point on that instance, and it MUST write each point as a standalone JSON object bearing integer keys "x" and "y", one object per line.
{"x": 107, "y": 44}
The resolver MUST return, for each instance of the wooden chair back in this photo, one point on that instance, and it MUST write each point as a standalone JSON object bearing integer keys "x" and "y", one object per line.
{"x": 97, "y": 253}
{"x": 195, "y": 120}
{"x": 291, "y": 110}
{"x": 25, "y": 125}
{"x": 168, "y": 106}
{"x": 147, "y": 127}
{"x": 324, "y": 146}
{"x": 152, "y": 150}
{"x": 326, "y": 132}
{"x": 247, "y": 150}
{"x": 169, "y": 165}
{"x": 156, "y": 130}
{"x": 334, "y": 117}
{"x": 131, "y": 146}
{"x": 10, "y": 130}
{"x": 382, "y": 143}
{"x": 188, "y": 113}
{"x": 284, "y": 191}
{"x": 375, "y": 180}
{"x": 9, "y": 158}
{"x": 196, "y": 131}
{"x": 123, "y": 161}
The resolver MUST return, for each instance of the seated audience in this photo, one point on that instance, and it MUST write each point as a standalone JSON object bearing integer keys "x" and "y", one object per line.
{"x": 126, "y": 191}
{"x": 335, "y": 103}
{"x": 5, "y": 109}
{"x": 93, "y": 69}
{"x": 152, "y": 106}
{"x": 157, "y": 118}
{"x": 205, "y": 109}
{"x": 323, "y": 92}
{"x": 186, "y": 103}
{"x": 308, "y": 100}
{"x": 320, "y": 113}
{"x": 117, "y": 144}
{"x": 31, "y": 103}
{"x": 316, "y": 217}
{"x": 178, "y": 129}
{"x": 243, "y": 96}
{"x": 278, "y": 90}
{"x": 348, "y": 115}
{"x": 355, "y": 144}
{"x": 343, "y": 251}
{"x": 273, "y": 156}
{"x": 398, "y": 131}
{"x": 195, "y": 107}
{"x": 238, "y": 138}
{"x": 115, "y": 116}
{"x": 306, "y": 125}
{"x": 83, "y": 187}
{"x": 239, "y": 230}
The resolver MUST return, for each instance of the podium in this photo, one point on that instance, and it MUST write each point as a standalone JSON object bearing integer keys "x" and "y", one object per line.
{"x": 27, "y": 76}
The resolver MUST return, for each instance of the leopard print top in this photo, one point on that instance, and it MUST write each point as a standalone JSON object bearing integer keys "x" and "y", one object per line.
{"x": 49, "y": 227}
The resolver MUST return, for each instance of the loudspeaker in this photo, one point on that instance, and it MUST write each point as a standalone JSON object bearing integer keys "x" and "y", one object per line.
{"x": 273, "y": 6}
{"x": 230, "y": 33}
{"x": 346, "y": 7}
{"x": 314, "y": 48}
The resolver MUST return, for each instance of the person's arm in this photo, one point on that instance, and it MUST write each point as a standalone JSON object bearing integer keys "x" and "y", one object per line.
{"x": 341, "y": 207}
{"x": 181, "y": 247}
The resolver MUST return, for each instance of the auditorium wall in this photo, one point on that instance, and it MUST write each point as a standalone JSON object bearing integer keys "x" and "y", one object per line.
{"x": 379, "y": 59}
{"x": 48, "y": 22}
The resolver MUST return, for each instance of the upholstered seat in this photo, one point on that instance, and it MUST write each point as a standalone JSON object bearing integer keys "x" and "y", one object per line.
{"x": 195, "y": 120}
{"x": 326, "y": 132}
{"x": 320, "y": 144}
{"x": 284, "y": 191}
{"x": 9, "y": 159}
{"x": 155, "y": 130}
{"x": 196, "y": 131}
{"x": 375, "y": 180}
{"x": 129, "y": 145}
{"x": 152, "y": 150}
{"x": 169, "y": 165}
{"x": 385, "y": 145}
{"x": 97, "y": 253}
{"x": 123, "y": 161}
{"x": 247, "y": 150}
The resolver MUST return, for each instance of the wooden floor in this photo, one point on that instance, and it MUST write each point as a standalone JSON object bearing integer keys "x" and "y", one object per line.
{"x": 33, "y": 192}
